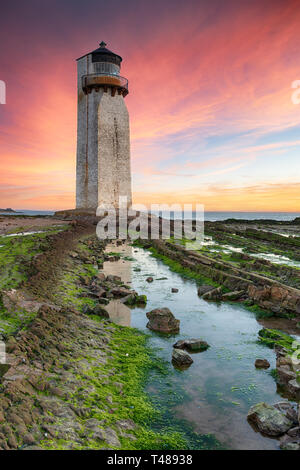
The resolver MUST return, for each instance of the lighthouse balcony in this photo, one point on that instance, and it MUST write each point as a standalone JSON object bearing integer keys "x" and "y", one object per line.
{"x": 114, "y": 82}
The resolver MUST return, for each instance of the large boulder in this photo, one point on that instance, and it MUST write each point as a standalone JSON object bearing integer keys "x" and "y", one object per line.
{"x": 181, "y": 358}
{"x": 268, "y": 420}
{"x": 163, "y": 320}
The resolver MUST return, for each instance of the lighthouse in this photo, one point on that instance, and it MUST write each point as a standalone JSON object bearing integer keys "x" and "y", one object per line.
{"x": 103, "y": 173}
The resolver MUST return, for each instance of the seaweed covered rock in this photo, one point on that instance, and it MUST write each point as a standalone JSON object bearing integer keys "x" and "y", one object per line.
{"x": 269, "y": 420}
{"x": 275, "y": 338}
{"x": 163, "y": 320}
{"x": 194, "y": 345}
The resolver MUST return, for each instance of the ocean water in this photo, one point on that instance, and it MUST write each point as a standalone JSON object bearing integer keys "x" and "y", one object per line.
{"x": 208, "y": 215}
{"x": 27, "y": 212}
{"x": 223, "y": 215}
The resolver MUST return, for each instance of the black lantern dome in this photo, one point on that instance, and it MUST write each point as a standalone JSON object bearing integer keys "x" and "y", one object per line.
{"x": 102, "y": 54}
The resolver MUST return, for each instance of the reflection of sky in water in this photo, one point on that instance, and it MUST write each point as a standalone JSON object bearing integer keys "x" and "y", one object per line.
{"x": 222, "y": 383}
{"x": 22, "y": 234}
{"x": 277, "y": 259}
{"x": 227, "y": 249}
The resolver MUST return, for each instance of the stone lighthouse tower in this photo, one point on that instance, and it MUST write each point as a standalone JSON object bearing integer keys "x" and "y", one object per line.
{"x": 103, "y": 144}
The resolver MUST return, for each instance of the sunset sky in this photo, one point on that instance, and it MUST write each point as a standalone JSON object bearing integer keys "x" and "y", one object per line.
{"x": 212, "y": 120}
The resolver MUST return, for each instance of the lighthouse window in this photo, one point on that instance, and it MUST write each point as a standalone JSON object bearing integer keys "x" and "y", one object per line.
{"x": 106, "y": 67}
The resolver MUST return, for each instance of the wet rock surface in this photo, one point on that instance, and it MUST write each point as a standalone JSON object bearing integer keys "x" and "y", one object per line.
{"x": 192, "y": 345}
{"x": 33, "y": 402}
{"x": 269, "y": 420}
{"x": 204, "y": 289}
{"x": 262, "y": 364}
{"x": 59, "y": 365}
{"x": 214, "y": 294}
{"x": 163, "y": 321}
{"x": 242, "y": 281}
{"x": 181, "y": 358}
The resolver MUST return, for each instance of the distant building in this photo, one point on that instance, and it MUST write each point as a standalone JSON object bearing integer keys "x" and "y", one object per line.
{"x": 103, "y": 144}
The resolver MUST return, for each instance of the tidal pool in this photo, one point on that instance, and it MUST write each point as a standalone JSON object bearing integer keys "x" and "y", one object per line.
{"x": 216, "y": 392}
{"x": 277, "y": 259}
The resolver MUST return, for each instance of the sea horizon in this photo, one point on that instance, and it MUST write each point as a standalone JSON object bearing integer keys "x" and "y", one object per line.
{"x": 210, "y": 216}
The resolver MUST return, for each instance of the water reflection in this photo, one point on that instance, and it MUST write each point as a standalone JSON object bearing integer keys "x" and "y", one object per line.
{"x": 119, "y": 313}
{"x": 222, "y": 383}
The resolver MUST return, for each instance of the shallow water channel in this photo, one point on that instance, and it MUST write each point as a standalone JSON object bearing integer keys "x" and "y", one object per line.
{"x": 218, "y": 389}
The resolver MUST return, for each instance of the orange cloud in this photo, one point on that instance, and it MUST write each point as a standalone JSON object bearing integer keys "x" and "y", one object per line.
{"x": 276, "y": 197}
{"x": 195, "y": 71}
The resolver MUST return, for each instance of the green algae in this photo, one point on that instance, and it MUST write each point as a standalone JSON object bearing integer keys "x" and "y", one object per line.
{"x": 131, "y": 362}
{"x": 272, "y": 337}
{"x": 134, "y": 365}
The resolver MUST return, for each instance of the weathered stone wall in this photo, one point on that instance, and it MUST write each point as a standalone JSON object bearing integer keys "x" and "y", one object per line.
{"x": 81, "y": 163}
{"x": 114, "y": 173}
{"x": 103, "y": 146}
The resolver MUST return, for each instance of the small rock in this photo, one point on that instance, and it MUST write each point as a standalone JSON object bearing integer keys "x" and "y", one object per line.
{"x": 174, "y": 289}
{"x": 262, "y": 364}
{"x": 294, "y": 388}
{"x": 285, "y": 374}
{"x": 292, "y": 415}
{"x": 121, "y": 292}
{"x": 111, "y": 438}
{"x": 180, "y": 344}
{"x": 113, "y": 278}
{"x": 181, "y": 358}
{"x": 100, "y": 311}
{"x": 196, "y": 345}
{"x": 101, "y": 276}
{"x": 29, "y": 439}
{"x": 289, "y": 443}
{"x": 294, "y": 432}
{"x": 289, "y": 410}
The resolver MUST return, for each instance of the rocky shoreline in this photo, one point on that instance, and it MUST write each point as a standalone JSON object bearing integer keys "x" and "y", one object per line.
{"x": 72, "y": 379}
{"x": 67, "y": 381}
